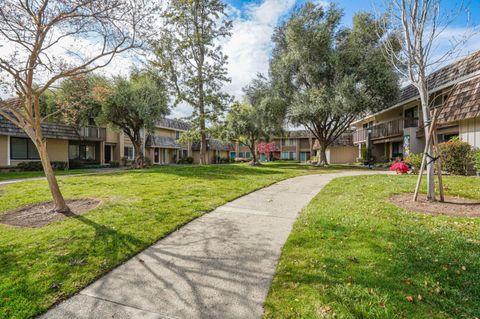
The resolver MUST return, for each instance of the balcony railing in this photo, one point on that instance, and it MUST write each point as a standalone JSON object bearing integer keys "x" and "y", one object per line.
{"x": 411, "y": 122}
{"x": 384, "y": 130}
{"x": 360, "y": 135}
{"x": 92, "y": 133}
{"x": 387, "y": 129}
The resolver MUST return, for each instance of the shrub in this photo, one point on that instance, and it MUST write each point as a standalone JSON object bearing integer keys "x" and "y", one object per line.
{"x": 476, "y": 163}
{"x": 114, "y": 164}
{"x": 400, "y": 168}
{"x": 37, "y": 166}
{"x": 457, "y": 156}
{"x": 185, "y": 160}
{"x": 30, "y": 166}
{"x": 125, "y": 161}
{"x": 147, "y": 161}
{"x": 414, "y": 161}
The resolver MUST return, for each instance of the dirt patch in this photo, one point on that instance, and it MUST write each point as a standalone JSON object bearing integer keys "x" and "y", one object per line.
{"x": 39, "y": 215}
{"x": 453, "y": 206}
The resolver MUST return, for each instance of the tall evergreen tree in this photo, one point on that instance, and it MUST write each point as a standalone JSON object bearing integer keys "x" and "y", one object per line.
{"x": 330, "y": 74}
{"x": 189, "y": 54}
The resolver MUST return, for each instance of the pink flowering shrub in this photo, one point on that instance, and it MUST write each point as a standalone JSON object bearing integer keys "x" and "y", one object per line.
{"x": 266, "y": 148}
{"x": 400, "y": 168}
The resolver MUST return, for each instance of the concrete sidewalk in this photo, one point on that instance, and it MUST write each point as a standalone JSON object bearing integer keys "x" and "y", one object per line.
{"x": 220, "y": 265}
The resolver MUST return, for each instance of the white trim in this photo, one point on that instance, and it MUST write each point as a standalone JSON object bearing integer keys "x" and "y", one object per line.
{"x": 8, "y": 151}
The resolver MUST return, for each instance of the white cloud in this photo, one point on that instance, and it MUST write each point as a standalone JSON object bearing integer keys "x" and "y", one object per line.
{"x": 249, "y": 47}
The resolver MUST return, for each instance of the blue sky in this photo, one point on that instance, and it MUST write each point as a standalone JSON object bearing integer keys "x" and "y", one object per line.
{"x": 254, "y": 22}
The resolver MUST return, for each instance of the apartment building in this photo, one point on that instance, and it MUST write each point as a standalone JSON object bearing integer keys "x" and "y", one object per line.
{"x": 398, "y": 130}
{"x": 301, "y": 145}
{"x": 92, "y": 144}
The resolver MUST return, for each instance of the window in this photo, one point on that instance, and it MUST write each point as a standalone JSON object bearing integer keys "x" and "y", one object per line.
{"x": 241, "y": 155}
{"x": 248, "y": 155}
{"x": 293, "y": 156}
{"x": 83, "y": 152}
{"x": 289, "y": 142}
{"x": 23, "y": 149}
{"x": 184, "y": 153}
{"x": 178, "y": 135}
{"x": 233, "y": 155}
{"x": 128, "y": 152}
{"x": 284, "y": 156}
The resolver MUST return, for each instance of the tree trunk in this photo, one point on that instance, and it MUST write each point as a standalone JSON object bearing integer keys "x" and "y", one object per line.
{"x": 322, "y": 157}
{"x": 139, "y": 156}
{"x": 58, "y": 200}
{"x": 430, "y": 163}
{"x": 254, "y": 161}
{"x": 203, "y": 145}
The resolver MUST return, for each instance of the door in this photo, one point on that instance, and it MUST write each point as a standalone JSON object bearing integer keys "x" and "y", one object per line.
{"x": 303, "y": 157}
{"x": 108, "y": 153}
{"x": 156, "y": 155}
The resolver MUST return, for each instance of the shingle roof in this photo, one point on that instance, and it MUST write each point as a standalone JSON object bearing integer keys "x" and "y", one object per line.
{"x": 49, "y": 130}
{"x": 455, "y": 71}
{"x": 213, "y": 144}
{"x": 162, "y": 142}
{"x": 174, "y": 124}
{"x": 462, "y": 103}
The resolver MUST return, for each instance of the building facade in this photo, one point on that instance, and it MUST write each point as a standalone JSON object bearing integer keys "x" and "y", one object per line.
{"x": 398, "y": 130}
{"x": 92, "y": 144}
{"x": 301, "y": 145}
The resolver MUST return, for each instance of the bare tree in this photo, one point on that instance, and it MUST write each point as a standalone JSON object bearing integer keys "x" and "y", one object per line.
{"x": 417, "y": 25}
{"x": 46, "y": 41}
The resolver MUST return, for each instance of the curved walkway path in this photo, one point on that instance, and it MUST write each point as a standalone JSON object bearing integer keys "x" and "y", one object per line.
{"x": 220, "y": 265}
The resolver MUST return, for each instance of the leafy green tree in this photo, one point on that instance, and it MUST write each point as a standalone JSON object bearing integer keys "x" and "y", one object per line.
{"x": 258, "y": 118}
{"x": 188, "y": 53}
{"x": 76, "y": 101}
{"x": 134, "y": 106}
{"x": 329, "y": 74}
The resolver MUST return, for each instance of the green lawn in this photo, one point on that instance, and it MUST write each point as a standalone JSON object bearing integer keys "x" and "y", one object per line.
{"x": 39, "y": 267}
{"x": 352, "y": 255}
{"x": 5, "y": 176}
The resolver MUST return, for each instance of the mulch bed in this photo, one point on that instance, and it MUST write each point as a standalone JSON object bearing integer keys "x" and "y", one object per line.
{"x": 39, "y": 215}
{"x": 453, "y": 206}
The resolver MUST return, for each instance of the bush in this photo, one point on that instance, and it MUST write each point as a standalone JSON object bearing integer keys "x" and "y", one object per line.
{"x": 37, "y": 166}
{"x": 400, "y": 168}
{"x": 75, "y": 164}
{"x": 185, "y": 160}
{"x": 147, "y": 161}
{"x": 30, "y": 166}
{"x": 457, "y": 156}
{"x": 114, "y": 164}
{"x": 414, "y": 161}
{"x": 125, "y": 161}
{"x": 476, "y": 163}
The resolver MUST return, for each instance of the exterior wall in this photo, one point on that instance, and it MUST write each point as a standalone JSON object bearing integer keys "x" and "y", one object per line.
{"x": 165, "y": 132}
{"x": 112, "y": 136}
{"x": 417, "y": 145}
{"x": 342, "y": 154}
{"x": 469, "y": 131}
{"x": 57, "y": 150}
{"x": 4, "y": 150}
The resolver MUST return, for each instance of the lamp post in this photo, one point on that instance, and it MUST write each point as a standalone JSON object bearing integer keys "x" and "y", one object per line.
{"x": 369, "y": 147}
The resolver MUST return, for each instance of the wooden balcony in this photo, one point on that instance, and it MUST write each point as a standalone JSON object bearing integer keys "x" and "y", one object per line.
{"x": 360, "y": 136}
{"x": 385, "y": 130}
{"x": 92, "y": 133}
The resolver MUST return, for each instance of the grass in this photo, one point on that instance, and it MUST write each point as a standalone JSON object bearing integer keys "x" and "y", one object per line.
{"x": 353, "y": 255}
{"x": 39, "y": 267}
{"x": 6, "y": 176}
